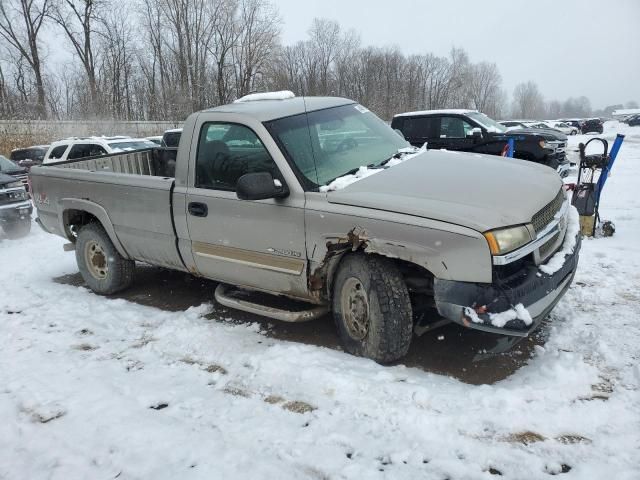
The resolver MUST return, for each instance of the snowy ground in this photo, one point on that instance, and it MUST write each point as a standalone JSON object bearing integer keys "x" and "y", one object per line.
{"x": 104, "y": 388}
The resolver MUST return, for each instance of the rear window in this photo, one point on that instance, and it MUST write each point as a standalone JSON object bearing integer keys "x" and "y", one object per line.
{"x": 171, "y": 139}
{"x": 36, "y": 154}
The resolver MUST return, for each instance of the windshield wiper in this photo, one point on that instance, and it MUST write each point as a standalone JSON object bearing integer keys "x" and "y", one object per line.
{"x": 353, "y": 171}
{"x": 401, "y": 151}
{"x": 387, "y": 160}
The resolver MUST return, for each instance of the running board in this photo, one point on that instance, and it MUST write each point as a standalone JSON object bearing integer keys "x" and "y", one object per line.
{"x": 224, "y": 298}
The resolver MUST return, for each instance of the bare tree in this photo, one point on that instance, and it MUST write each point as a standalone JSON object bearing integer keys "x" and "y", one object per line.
{"x": 20, "y": 24}
{"x": 80, "y": 20}
{"x": 528, "y": 101}
{"x": 259, "y": 24}
{"x": 483, "y": 86}
{"x": 226, "y": 35}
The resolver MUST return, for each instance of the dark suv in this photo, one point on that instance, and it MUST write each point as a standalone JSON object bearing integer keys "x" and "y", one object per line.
{"x": 30, "y": 156}
{"x": 472, "y": 131}
{"x": 592, "y": 125}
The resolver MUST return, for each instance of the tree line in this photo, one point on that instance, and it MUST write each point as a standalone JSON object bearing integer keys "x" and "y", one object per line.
{"x": 163, "y": 59}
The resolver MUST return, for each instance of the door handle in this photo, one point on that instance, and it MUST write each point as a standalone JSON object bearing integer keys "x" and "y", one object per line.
{"x": 198, "y": 209}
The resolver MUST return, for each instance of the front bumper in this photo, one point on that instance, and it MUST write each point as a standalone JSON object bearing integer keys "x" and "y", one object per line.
{"x": 475, "y": 305}
{"x": 15, "y": 211}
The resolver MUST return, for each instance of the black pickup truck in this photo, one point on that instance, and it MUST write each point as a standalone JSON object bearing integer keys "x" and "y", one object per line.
{"x": 15, "y": 207}
{"x": 472, "y": 131}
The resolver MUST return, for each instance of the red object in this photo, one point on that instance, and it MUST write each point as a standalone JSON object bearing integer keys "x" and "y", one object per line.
{"x": 505, "y": 150}
{"x": 569, "y": 186}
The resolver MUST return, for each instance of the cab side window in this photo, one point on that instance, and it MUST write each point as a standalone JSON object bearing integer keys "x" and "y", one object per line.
{"x": 454, "y": 127}
{"x": 58, "y": 152}
{"x": 226, "y": 151}
{"x": 95, "y": 150}
{"x": 421, "y": 127}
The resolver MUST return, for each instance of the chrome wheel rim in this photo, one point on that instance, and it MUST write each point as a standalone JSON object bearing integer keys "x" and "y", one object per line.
{"x": 96, "y": 260}
{"x": 355, "y": 308}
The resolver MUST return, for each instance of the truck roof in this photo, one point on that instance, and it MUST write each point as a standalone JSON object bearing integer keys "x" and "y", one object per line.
{"x": 460, "y": 111}
{"x": 271, "y": 109}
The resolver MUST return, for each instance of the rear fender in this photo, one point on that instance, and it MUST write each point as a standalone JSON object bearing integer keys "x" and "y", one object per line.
{"x": 69, "y": 204}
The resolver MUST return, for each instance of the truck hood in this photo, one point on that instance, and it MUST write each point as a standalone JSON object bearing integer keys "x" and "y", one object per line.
{"x": 477, "y": 191}
{"x": 6, "y": 179}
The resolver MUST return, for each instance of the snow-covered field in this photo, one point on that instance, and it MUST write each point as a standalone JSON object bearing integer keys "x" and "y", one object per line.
{"x": 96, "y": 388}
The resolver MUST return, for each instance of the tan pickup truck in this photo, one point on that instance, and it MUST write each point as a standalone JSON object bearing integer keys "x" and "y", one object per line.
{"x": 319, "y": 201}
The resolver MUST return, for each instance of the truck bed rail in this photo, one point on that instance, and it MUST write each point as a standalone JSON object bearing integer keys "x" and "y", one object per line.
{"x": 155, "y": 162}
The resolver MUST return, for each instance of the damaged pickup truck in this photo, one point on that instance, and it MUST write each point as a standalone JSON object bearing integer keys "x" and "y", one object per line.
{"x": 303, "y": 205}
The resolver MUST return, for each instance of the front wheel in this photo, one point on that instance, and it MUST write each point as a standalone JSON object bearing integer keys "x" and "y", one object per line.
{"x": 102, "y": 267}
{"x": 19, "y": 229}
{"x": 372, "y": 308}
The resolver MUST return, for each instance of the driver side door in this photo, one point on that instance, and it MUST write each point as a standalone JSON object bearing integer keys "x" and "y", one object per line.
{"x": 253, "y": 243}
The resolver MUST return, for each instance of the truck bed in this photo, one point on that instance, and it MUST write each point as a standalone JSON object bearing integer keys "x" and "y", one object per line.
{"x": 127, "y": 187}
{"x": 157, "y": 162}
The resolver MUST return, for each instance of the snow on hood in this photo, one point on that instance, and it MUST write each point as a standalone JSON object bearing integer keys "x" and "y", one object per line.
{"x": 477, "y": 191}
{"x": 363, "y": 172}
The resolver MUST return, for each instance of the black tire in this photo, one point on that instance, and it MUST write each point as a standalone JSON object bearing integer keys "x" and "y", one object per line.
{"x": 386, "y": 308}
{"x": 19, "y": 229}
{"x": 103, "y": 269}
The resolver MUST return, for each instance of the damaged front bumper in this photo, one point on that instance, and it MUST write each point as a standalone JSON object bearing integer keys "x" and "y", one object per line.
{"x": 479, "y": 305}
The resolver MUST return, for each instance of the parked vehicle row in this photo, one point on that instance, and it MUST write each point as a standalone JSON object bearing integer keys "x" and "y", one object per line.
{"x": 567, "y": 126}
{"x": 472, "y": 131}
{"x": 317, "y": 200}
{"x": 632, "y": 120}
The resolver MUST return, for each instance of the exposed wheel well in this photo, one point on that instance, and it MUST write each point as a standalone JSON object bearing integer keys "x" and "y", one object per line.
{"x": 418, "y": 279}
{"x": 74, "y": 219}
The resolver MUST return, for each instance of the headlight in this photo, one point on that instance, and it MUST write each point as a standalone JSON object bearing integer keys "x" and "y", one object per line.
{"x": 505, "y": 240}
{"x": 14, "y": 185}
{"x": 21, "y": 195}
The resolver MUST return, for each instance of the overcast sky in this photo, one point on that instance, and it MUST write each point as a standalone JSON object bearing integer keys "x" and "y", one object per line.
{"x": 568, "y": 47}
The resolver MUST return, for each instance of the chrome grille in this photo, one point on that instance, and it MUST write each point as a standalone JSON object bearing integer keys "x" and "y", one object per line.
{"x": 544, "y": 216}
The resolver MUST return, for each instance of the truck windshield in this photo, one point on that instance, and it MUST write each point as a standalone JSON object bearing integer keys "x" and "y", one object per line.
{"x": 327, "y": 144}
{"x": 488, "y": 123}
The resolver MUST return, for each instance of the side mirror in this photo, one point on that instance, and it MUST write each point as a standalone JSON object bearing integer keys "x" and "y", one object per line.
{"x": 260, "y": 186}
{"x": 476, "y": 133}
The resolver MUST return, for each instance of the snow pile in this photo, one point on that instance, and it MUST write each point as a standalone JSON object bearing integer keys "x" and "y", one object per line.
{"x": 95, "y": 387}
{"x": 254, "y": 97}
{"x": 556, "y": 261}
{"x": 403, "y": 155}
{"x": 518, "y": 312}
{"x": 500, "y": 319}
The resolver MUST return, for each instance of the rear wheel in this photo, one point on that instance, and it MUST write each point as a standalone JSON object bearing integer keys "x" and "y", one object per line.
{"x": 19, "y": 229}
{"x": 372, "y": 308}
{"x": 102, "y": 267}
